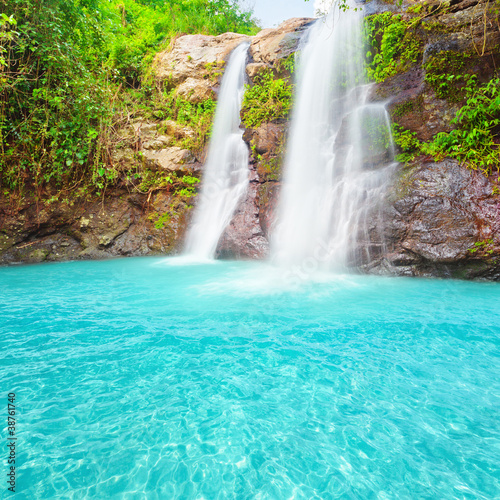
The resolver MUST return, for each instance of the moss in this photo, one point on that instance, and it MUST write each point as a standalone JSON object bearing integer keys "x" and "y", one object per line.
{"x": 410, "y": 106}
{"x": 437, "y": 27}
{"x": 404, "y": 184}
{"x": 269, "y": 164}
{"x": 445, "y": 73}
{"x": 38, "y": 255}
{"x": 159, "y": 220}
{"x": 271, "y": 168}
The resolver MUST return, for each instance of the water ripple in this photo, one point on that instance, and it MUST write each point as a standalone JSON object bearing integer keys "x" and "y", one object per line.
{"x": 137, "y": 379}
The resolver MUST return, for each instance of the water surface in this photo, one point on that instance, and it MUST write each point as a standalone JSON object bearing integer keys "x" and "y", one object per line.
{"x": 152, "y": 378}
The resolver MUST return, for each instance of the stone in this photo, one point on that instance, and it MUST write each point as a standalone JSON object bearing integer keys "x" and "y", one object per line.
{"x": 159, "y": 142}
{"x": 266, "y": 138}
{"x": 177, "y": 130}
{"x": 170, "y": 159}
{"x": 196, "y": 90}
{"x": 254, "y": 69}
{"x": 244, "y": 237}
{"x": 37, "y": 255}
{"x": 437, "y": 221}
{"x": 195, "y": 57}
{"x": 274, "y": 44}
{"x": 84, "y": 223}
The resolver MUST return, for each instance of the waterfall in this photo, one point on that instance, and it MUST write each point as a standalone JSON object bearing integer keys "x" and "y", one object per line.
{"x": 339, "y": 153}
{"x": 226, "y": 175}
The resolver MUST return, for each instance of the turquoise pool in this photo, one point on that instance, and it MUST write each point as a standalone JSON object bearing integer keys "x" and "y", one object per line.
{"x": 150, "y": 378}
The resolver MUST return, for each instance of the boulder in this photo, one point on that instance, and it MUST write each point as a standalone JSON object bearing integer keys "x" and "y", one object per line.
{"x": 244, "y": 236}
{"x": 436, "y": 214}
{"x": 274, "y": 44}
{"x": 172, "y": 159}
{"x": 196, "y": 90}
{"x": 194, "y": 63}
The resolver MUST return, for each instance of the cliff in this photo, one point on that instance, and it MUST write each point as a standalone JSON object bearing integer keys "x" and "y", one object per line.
{"x": 440, "y": 217}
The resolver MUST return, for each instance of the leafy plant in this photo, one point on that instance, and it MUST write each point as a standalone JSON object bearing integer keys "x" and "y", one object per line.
{"x": 68, "y": 72}
{"x": 408, "y": 143}
{"x": 485, "y": 246}
{"x": 394, "y": 44}
{"x": 157, "y": 181}
{"x": 473, "y": 141}
{"x": 444, "y": 73}
{"x": 267, "y": 100}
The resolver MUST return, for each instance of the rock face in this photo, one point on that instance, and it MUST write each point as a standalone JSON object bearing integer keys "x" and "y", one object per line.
{"x": 273, "y": 45}
{"x": 248, "y": 234}
{"x": 121, "y": 224}
{"x": 172, "y": 159}
{"x": 194, "y": 62}
{"x": 441, "y": 219}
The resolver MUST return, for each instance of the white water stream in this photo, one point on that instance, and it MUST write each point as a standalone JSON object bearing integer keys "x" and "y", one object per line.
{"x": 225, "y": 175}
{"x": 339, "y": 151}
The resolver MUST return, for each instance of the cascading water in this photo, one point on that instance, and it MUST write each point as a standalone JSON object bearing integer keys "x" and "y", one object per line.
{"x": 225, "y": 177}
{"x": 339, "y": 151}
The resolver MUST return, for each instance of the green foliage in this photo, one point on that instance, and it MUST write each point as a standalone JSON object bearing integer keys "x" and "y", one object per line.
{"x": 409, "y": 106}
{"x": 478, "y": 122}
{"x": 444, "y": 73}
{"x": 142, "y": 27}
{"x": 55, "y": 107}
{"x": 287, "y": 64}
{"x": 267, "y": 100}
{"x": 160, "y": 220}
{"x": 474, "y": 141}
{"x": 407, "y": 142}
{"x": 393, "y": 44}
{"x": 65, "y": 65}
{"x": 197, "y": 116}
{"x": 483, "y": 246}
{"x": 156, "y": 181}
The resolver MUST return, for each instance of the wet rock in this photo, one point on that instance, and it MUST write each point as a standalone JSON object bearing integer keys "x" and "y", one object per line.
{"x": 120, "y": 224}
{"x": 244, "y": 237}
{"x": 266, "y": 138}
{"x": 38, "y": 255}
{"x": 437, "y": 219}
